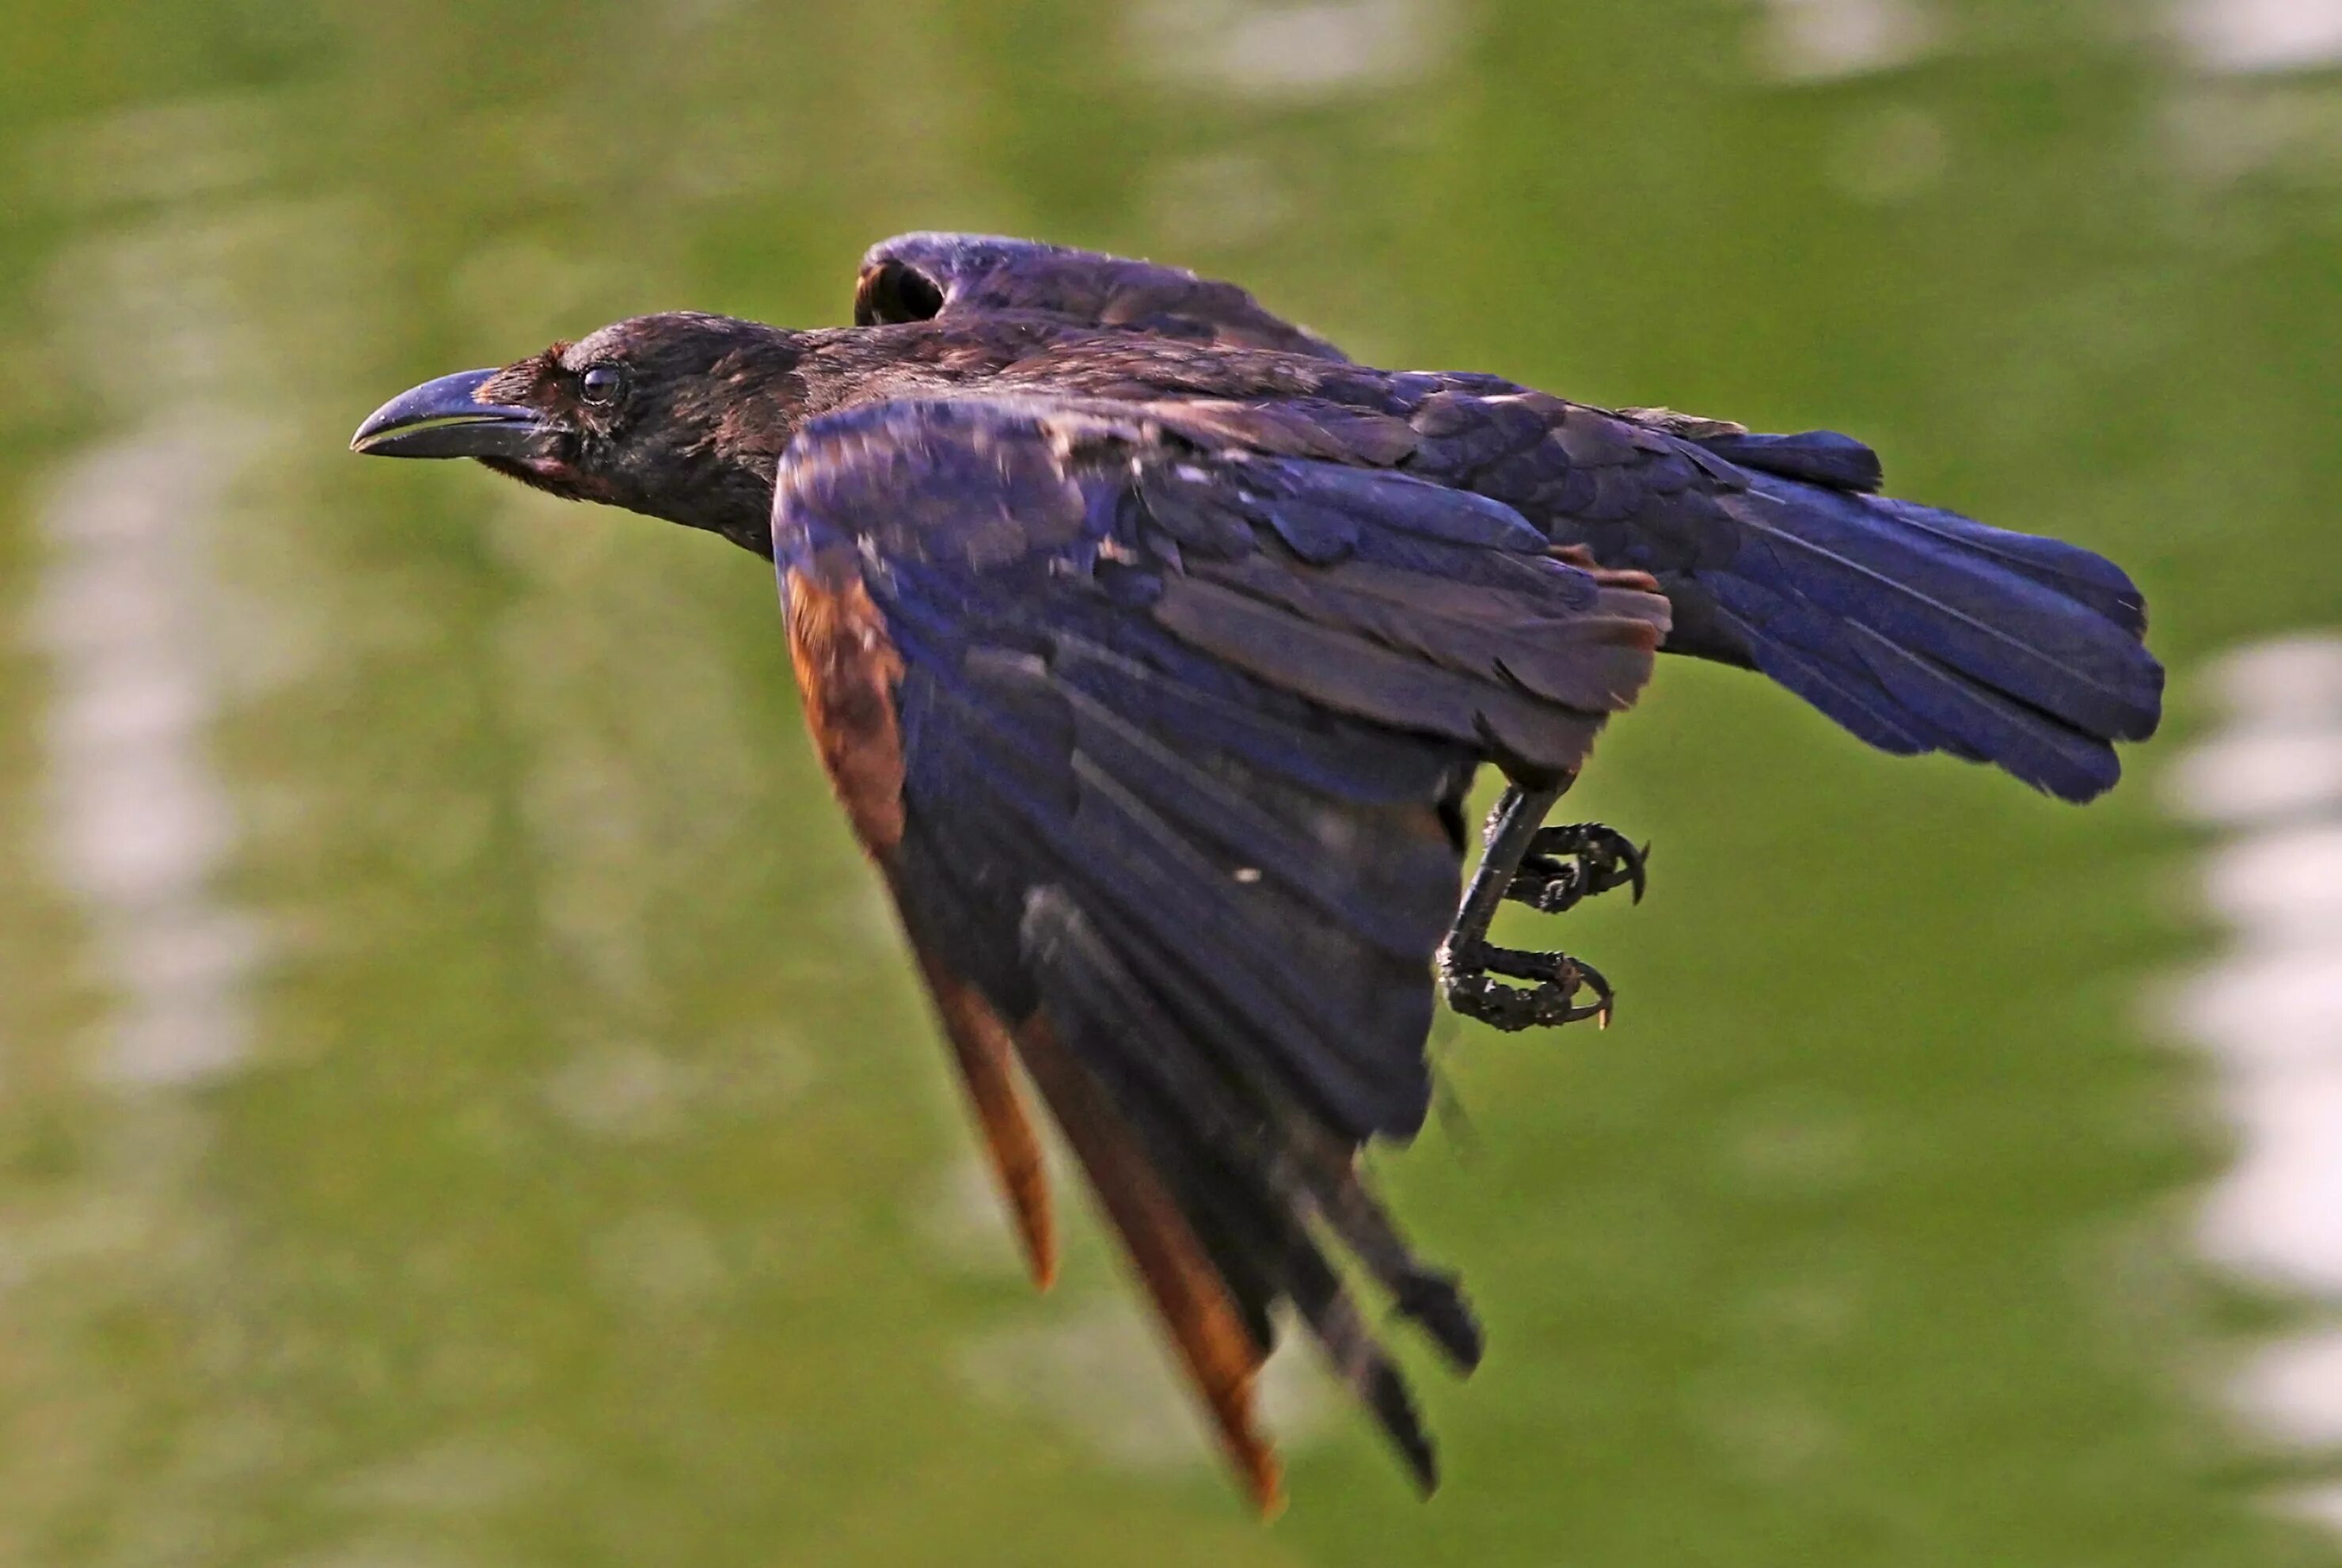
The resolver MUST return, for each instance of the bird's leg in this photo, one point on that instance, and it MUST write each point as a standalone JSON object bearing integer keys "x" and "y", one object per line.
{"x": 1523, "y": 860}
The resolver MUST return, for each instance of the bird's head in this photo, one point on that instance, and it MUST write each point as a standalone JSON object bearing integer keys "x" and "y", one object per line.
{"x": 680, "y": 415}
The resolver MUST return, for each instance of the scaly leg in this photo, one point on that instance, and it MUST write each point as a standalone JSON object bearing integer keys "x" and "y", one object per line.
{"x": 1522, "y": 860}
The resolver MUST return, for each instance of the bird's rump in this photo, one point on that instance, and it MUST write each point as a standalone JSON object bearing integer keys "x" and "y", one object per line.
{"x": 1184, "y": 734}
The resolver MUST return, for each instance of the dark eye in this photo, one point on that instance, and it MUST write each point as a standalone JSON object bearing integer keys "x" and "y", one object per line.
{"x": 601, "y": 384}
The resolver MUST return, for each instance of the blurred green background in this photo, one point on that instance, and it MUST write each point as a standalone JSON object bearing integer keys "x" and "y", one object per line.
{"x": 461, "y": 1100}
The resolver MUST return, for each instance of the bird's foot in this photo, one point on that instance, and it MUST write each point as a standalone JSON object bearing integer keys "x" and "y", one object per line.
{"x": 1549, "y": 869}
{"x": 1568, "y": 865}
{"x": 1469, "y": 971}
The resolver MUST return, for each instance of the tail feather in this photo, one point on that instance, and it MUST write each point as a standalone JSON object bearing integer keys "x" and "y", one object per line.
{"x": 1921, "y": 630}
{"x": 1988, "y": 728}
{"x": 2070, "y": 570}
{"x": 1851, "y": 697}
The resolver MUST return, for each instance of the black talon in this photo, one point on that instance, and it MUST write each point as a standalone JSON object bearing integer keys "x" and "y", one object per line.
{"x": 1598, "y": 859}
{"x": 1525, "y": 861}
{"x": 1469, "y": 975}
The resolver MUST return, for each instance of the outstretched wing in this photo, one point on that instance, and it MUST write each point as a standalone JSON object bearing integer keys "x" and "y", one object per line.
{"x": 919, "y": 276}
{"x": 1160, "y": 743}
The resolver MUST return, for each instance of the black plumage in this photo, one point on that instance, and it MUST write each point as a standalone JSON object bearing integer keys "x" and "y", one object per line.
{"x": 1152, "y": 645}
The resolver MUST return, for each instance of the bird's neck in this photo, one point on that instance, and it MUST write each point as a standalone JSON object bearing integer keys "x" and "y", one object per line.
{"x": 754, "y": 416}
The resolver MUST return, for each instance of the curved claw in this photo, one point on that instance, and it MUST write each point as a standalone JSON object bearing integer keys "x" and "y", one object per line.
{"x": 1566, "y": 865}
{"x": 1550, "y": 869}
{"x": 1473, "y": 989}
{"x": 1605, "y": 994}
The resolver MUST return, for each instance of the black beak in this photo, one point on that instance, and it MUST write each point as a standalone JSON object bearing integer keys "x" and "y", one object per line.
{"x": 445, "y": 418}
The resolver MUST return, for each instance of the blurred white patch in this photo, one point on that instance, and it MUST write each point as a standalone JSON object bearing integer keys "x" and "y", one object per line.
{"x": 517, "y": 292}
{"x": 166, "y": 152}
{"x": 1893, "y": 155}
{"x": 1773, "y": 1436}
{"x": 964, "y": 1223}
{"x": 627, "y": 1093}
{"x": 1281, "y": 49}
{"x": 2295, "y": 1387}
{"x": 689, "y": 15}
{"x": 2321, "y": 1506}
{"x": 2267, "y": 773}
{"x": 140, "y": 822}
{"x": 1105, "y": 1376}
{"x": 142, "y": 326}
{"x": 2270, "y": 1010}
{"x": 1224, "y": 200}
{"x": 1827, "y": 40}
{"x": 471, "y": 1474}
{"x": 631, "y": 1091}
{"x": 2227, "y": 126}
{"x": 659, "y": 1261}
{"x": 2281, "y": 754}
{"x": 723, "y": 154}
{"x": 2288, "y": 880}
{"x": 2261, "y": 35}
{"x": 1790, "y": 1145}
{"x": 388, "y": 1550}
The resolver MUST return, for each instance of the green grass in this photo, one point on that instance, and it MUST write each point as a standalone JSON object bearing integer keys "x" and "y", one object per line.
{"x": 581, "y": 1201}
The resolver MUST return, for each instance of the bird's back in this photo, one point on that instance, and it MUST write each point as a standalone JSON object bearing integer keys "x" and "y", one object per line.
{"x": 1915, "y": 628}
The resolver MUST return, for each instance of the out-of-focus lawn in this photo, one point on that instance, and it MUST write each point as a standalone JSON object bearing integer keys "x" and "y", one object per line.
{"x": 460, "y": 1099}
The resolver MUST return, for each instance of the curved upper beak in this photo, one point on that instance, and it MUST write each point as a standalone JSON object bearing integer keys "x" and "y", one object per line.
{"x": 445, "y": 418}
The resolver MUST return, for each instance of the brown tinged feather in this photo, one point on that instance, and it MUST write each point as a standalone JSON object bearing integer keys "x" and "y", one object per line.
{"x": 981, "y": 1043}
{"x": 1207, "y": 1329}
{"x": 846, "y": 668}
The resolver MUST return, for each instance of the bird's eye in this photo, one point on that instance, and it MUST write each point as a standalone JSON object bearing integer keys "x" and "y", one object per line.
{"x": 600, "y": 385}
